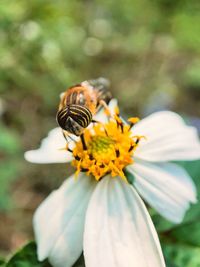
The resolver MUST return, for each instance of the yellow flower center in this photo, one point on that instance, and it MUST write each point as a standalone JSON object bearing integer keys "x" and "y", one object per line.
{"x": 106, "y": 148}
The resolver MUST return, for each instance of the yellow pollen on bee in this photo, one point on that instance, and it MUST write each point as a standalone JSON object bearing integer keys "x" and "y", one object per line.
{"x": 110, "y": 149}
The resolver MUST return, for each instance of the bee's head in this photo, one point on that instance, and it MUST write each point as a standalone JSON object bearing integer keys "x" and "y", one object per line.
{"x": 73, "y": 127}
{"x": 74, "y": 119}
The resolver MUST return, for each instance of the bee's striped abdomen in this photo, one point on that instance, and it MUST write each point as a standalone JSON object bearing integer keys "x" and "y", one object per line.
{"x": 80, "y": 114}
{"x": 74, "y": 113}
{"x": 62, "y": 117}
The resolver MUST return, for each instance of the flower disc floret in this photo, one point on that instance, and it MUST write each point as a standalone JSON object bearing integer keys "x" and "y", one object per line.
{"x": 109, "y": 149}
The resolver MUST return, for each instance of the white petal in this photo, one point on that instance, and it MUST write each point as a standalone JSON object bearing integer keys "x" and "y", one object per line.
{"x": 51, "y": 149}
{"x": 59, "y": 222}
{"x": 118, "y": 229}
{"x": 167, "y": 138}
{"x": 166, "y": 187}
{"x": 101, "y": 115}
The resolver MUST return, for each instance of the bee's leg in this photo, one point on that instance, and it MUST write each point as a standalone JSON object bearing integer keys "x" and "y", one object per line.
{"x": 67, "y": 146}
{"x": 83, "y": 142}
{"x": 106, "y": 108}
{"x": 94, "y": 121}
{"x": 65, "y": 136}
{"x": 72, "y": 139}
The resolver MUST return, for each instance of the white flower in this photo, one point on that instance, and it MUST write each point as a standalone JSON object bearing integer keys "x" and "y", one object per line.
{"x": 105, "y": 217}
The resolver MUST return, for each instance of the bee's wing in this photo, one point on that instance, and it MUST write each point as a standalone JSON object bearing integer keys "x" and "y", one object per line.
{"x": 101, "y": 86}
{"x": 100, "y": 83}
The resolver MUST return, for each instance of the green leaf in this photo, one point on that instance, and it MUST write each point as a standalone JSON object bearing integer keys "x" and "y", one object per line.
{"x": 80, "y": 262}
{"x": 9, "y": 142}
{"x": 9, "y": 164}
{"x": 8, "y": 173}
{"x": 160, "y": 223}
{"x": 181, "y": 256}
{"x": 169, "y": 264}
{"x": 187, "y": 233}
{"x": 26, "y": 257}
{"x": 193, "y": 168}
{"x": 129, "y": 176}
{"x": 2, "y": 262}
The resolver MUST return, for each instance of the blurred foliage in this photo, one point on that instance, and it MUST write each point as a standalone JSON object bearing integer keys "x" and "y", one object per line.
{"x": 181, "y": 243}
{"x": 9, "y": 147}
{"x": 47, "y": 46}
{"x": 150, "y": 50}
{"x": 26, "y": 257}
{"x": 181, "y": 255}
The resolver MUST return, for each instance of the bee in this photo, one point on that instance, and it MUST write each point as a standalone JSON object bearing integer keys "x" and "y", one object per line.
{"x": 80, "y": 103}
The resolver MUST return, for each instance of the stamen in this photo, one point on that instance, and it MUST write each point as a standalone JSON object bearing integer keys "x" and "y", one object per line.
{"x": 137, "y": 141}
{"x": 133, "y": 121}
{"x": 117, "y": 153}
{"x": 122, "y": 127}
{"x": 117, "y": 111}
{"x": 84, "y": 170}
{"x": 106, "y": 108}
{"x": 131, "y": 148}
{"x": 91, "y": 157}
{"x": 110, "y": 148}
{"x": 119, "y": 122}
{"x": 105, "y": 132}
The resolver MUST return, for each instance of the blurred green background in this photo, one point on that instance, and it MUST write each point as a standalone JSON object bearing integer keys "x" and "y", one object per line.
{"x": 150, "y": 51}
